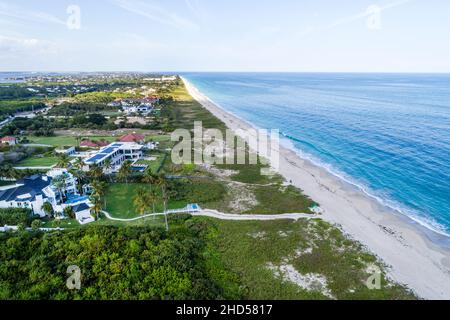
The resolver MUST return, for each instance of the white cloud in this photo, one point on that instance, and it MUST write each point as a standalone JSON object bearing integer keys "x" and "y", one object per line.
{"x": 19, "y": 47}
{"x": 156, "y": 13}
{"x": 14, "y": 12}
{"x": 365, "y": 14}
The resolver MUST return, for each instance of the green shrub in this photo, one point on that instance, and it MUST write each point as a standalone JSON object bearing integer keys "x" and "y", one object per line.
{"x": 15, "y": 216}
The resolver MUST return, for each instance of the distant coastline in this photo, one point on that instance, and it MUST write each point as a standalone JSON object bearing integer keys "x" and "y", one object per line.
{"x": 394, "y": 239}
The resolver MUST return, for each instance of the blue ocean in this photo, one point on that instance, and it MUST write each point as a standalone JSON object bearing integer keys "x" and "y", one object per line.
{"x": 388, "y": 134}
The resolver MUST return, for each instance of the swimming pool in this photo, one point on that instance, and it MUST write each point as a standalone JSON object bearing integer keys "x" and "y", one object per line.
{"x": 76, "y": 199}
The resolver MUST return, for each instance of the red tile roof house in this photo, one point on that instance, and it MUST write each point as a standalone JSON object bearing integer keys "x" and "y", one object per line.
{"x": 133, "y": 137}
{"x": 9, "y": 140}
{"x": 93, "y": 144}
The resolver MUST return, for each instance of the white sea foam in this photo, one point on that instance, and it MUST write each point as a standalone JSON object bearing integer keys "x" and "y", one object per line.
{"x": 287, "y": 141}
{"x": 384, "y": 200}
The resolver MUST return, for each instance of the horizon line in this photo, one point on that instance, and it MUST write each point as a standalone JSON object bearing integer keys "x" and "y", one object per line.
{"x": 221, "y": 71}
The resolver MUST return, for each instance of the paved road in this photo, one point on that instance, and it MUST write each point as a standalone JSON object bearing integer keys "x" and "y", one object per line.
{"x": 34, "y": 168}
{"x": 226, "y": 216}
{"x": 37, "y": 145}
{"x": 249, "y": 217}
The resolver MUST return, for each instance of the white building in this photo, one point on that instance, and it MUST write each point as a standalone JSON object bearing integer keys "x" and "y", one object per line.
{"x": 117, "y": 153}
{"x": 130, "y": 106}
{"x": 145, "y": 109}
{"x": 69, "y": 150}
{"x": 58, "y": 187}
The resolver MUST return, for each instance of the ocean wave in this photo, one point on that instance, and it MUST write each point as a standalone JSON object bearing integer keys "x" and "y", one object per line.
{"x": 427, "y": 222}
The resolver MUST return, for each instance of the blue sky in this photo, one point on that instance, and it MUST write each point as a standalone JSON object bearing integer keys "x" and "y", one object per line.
{"x": 231, "y": 35}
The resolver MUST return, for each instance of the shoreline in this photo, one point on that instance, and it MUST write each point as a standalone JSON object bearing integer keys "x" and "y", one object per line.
{"x": 413, "y": 259}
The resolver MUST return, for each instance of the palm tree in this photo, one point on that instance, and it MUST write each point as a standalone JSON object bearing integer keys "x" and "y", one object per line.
{"x": 153, "y": 199}
{"x": 79, "y": 164}
{"x": 47, "y": 208}
{"x": 80, "y": 176}
{"x": 149, "y": 177}
{"x": 141, "y": 200}
{"x": 59, "y": 183}
{"x": 125, "y": 171}
{"x": 163, "y": 183}
{"x": 97, "y": 205}
{"x": 68, "y": 212}
{"x": 107, "y": 165}
{"x": 78, "y": 138}
{"x": 8, "y": 171}
{"x": 99, "y": 190}
{"x": 95, "y": 172}
{"x": 63, "y": 161}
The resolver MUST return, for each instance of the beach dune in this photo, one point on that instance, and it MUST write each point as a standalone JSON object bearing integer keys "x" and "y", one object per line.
{"x": 412, "y": 258}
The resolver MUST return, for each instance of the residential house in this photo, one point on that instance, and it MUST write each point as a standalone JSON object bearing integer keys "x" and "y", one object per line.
{"x": 93, "y": 144}
{"x": 133, "y": 137}
{"x": 57, "y": 187}
{"x": 68, "y": 150}
{"x": 12, "y": 141}
{"x": 117, "y": 153}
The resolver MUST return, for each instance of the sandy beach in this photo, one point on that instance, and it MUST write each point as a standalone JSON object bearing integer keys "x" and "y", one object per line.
{"x": 412, "y": 258}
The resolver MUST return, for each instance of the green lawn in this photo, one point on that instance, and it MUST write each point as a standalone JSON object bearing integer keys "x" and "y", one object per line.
{"x": 59, "y": 141}
{"x": 248, "y": 248}
{"x": 155, "y": 164}
{"x": 66, "y": 224}
{"x": 120, "y": 198}
{"x": 38, "y": 162}
{"x": 158, "y": 138}
{"x": 185, "y": 110}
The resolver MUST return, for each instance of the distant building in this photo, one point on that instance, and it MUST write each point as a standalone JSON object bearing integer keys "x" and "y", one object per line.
{"x": 115, "y": 104}
{"x": 162, "y": 79}
{"x": 68, "y": 150}
{"x": 12, "y": 141}
{"x": 117, "y": 153}
{"x": 133, "y": 137}
{"x": 93, "y": 144}
{"x": 129, "y": 106}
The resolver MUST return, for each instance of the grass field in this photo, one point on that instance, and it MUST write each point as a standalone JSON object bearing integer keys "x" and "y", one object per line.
{"x": 186, "y": 110}
{"x": 255, "y": 249}
{"x": 155, "y": 164}
{"x": 38, "y": 162}
{"x": 120, "y": 197}
{"x": 59, "y": 141}
{"x": 276, "y": 199}
{"x": 158, "y": 138}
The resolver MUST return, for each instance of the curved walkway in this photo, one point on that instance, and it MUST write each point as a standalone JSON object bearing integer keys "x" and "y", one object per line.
{"x": 226, "y": 216}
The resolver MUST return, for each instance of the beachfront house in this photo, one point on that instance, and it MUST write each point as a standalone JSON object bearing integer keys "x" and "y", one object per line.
{"x": 82, "y": 213}
{"x": 57, "y": 187}
{"x": 26, "y": 193}
{"x": 117, "y": 153}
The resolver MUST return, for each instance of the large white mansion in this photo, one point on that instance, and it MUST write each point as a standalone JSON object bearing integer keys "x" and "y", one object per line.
{"x": 57, "y": 187}
{"x": 117, "y": 153}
